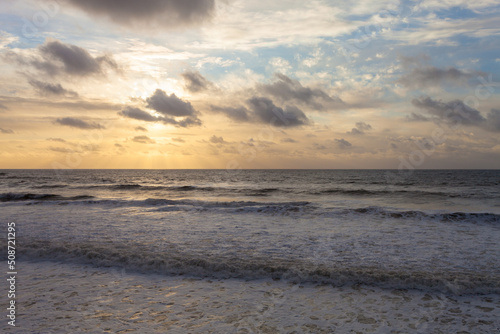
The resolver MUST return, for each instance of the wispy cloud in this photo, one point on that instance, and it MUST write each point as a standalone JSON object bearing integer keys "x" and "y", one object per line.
{"x": 143, "y": 140}
{"x": 433, "y": 76}
{"x": 78, "y": 123}
{"x": 49, "y": 89}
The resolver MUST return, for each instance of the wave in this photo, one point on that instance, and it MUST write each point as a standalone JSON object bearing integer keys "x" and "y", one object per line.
{"x": 366, "y": 192}
{"x": 473, "y": 217}
{"x": 16, "y": 197}
{"x": 124, "y": 186}
{"x": 260, "y": 192}
{"x": 134, "y": 186}
{"x": 305, "y": 208}
{"x": 176, "y": 262}
{"x": 51, "y": 186}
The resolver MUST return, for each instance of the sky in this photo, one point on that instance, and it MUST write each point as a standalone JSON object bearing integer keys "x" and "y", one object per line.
{"x": 230, "y": 84}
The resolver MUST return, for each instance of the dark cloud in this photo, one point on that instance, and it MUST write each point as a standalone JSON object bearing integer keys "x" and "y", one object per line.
{"x": 184, "y": 123}
{"x": 178, "y": 140}
{"x": 57, "y": 58}
{"x": 433, "y": 76}
{"x": 363, "y": 126}
{"x": 453, "y": 111}
{"x": 236, "y": 114}
{"x": 174, "y": 110}
{"x": 360, "y": 128}
{"x": 355, "y": 131}
{"x": 45, "y": 88}
{"x": 143, "y": 140}
{"x": 3, "y": 107}
{"x": 342, "y": 143}
{"x": 60, "y": 140}
{"x": 288, "y": 140}
{"x": 195, "y": 82}
{"x": 149, "y": 13}
{"x": 136, "y": 113}
{"x": 263, "y": 110}
{"x": 140, "y": 128}
{"x": 6, "y": 131}
{"x": 493, "y": 120}
{"x": 267, "y": 112}
{"x": 217, "y": 140}
{"x": 169, "y": 105}
{"x": 286, "y": 89}
{"x": 78, "y": 123}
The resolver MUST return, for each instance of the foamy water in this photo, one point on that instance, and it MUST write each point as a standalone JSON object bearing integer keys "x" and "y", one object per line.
{"x": 257, "y": 251}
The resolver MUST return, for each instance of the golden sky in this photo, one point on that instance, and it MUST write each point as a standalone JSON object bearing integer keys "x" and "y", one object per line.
{"x": 239, "y": 84}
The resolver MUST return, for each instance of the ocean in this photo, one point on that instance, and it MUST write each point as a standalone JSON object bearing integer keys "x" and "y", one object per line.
{"x": 254, "y": 251}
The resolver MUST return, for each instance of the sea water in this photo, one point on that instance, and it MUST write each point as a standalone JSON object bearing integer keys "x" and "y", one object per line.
{"x": 255, "y": 251}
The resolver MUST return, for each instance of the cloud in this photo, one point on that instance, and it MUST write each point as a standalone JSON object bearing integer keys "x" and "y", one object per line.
{"x": 171, "y": 107}
{"x": 288, "y": 140}
{"x": 458, "y": 112}
{"x": 318, "y": 146}
{"x": 342, "y": 143}
{"x": 263, "y": 110}
{"x": 45, "y": 88}
{"x": 195, "y": 82}
{"x": 6, "y": 131}
{"x": 60, "y": 140}
{"x": 149, "y": 13}
{"x": 178, "y": 140}
{"x": 360, "y": 128}
{"x": 363, "y": 126}
{"x": 355, "y": 131}
{"x": 493, "y": 120}
{"x": 409, "y": 61}
{"x": 3, "y": 107}
{"x": 452, "y": 111}
{"x": 433, "y": 76}
{"x": 286, "y": 89}
{"x": 140, "y": 128}
{"x": 184, "y": 123}
{"x": 136, "y": 113}
{"x": 236, "y": 114}
{"x": 61, "y": 149}
{"x": 65, "y": 104}
{"x": 443, "y": 31}
{"x": 78, "y": 123}
{"x": 56, "y": 58}
{"x": 143, "y": 140}
{"x": 217, "y": 140}
{"x": 416, "y": 118}
{"x": 267, "y": 112}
